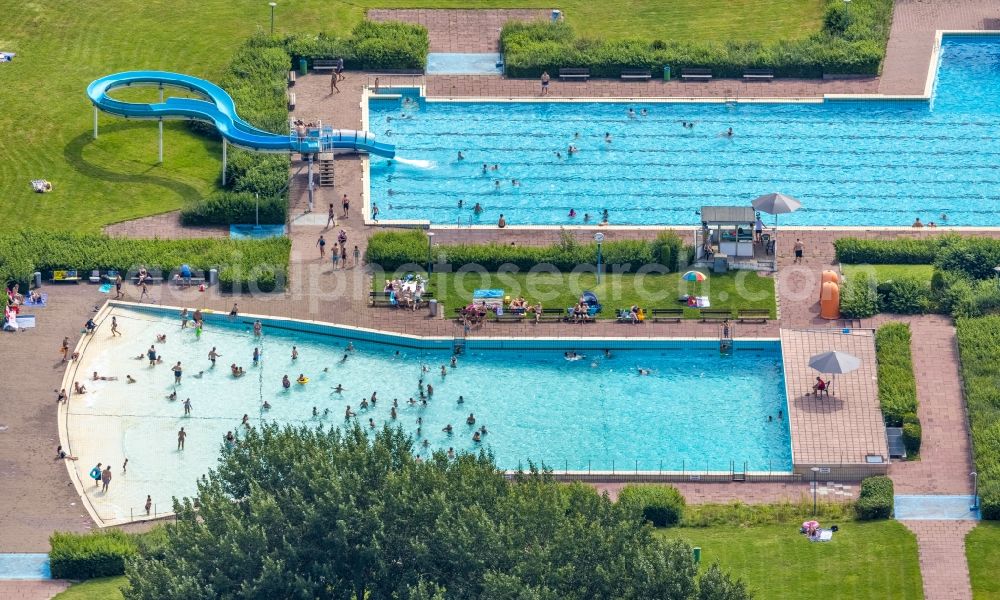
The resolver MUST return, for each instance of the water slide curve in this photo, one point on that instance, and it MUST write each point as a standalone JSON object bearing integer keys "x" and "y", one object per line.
{"x": 219, "y": 109}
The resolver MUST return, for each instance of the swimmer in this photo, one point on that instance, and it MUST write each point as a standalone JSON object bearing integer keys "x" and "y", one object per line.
{"x": 267, "y": 405}
{"x": 460, "y": 155}
{"x": 295, "y": 353}
{"x": 364, "y": 404}
{"x": 607, "y": 137}
{"x": 326, "y": 369}
{"x": 485, "y": 167}
{"x": 234, "y": 369}
{"x": 78, "y": 388}
{"x": 476, "y": 437}
{"x": 344, "y": 359}
{"x": 411, "y": 401}
{"x": 199, "y": 375}
{"x": 285, "y": 382}
{"x": 444, "y": 371}
{"x": 371, "y": 422}
{"x": 395, "y": 403}
{"x": 495, "y": 168}
{"x": 316, "y": 412}
{"x": 326, "y": 412}
{"x": 130, "y": 379}
{"x": 246, "y": 421}
{"x": 161, "y": 338}
{"x": 172, "y": 396}
{"x": 460, "y": 203}
{"x": 454, "y": 362}
{"x": 338, "y": 389}
{"x": 478, "y": 208}
{"x": 607, "y": 353}
{"x": 348, "y": 413}
{"x": 451, "y": 453}
{"x": 558, "y": 154}
{"x": 515, "y": 183}
{"x": 447, "y": 428}
{"x": 644, "y": 112}
{"x": 426, "y": 443}
{"x": 461, "y": 400}
{"x": 572, "y": 213}
{"x": 393, "y": 413}
{"x": 631, "y": 113}
{"x": 572, "y": 150}
{"x": 643, "y": 371}
{"x": 350, "y": 346}
{"x": 482, "y": 430}
{"x": 97, "y": 378}
{"x": 727, "y": 133}
{"x": 471, "y": 420}
{"x": 430, "y": 390}
{"x": 256, "y": 356}
{"x": 374, "y": 397}
{"x": 496, "y": 183}
{"x": 301, "y": 379}
{"x": 423, "y": 401}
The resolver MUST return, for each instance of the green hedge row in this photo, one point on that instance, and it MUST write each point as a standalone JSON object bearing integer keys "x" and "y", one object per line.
{"x": 979, "y": 350}
{"x": 859, "y": 297}
{"x": 243, "y": 264}
{"x": 875, "y": 500}
{"x": 897, "y": 388}
{"x": 256, "y": 79}
{"x": 902, "y": 251}
{"x": 661, "y": 505}
{"x": 226, "y": 208}
{"x": 372, "y": 46}
{"x": 852, "y": 40}
{"x": 91, "y": 555}
{"x": 392, "y": 250}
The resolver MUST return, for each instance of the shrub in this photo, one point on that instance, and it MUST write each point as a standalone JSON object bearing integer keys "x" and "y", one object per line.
{"x": 371, "y": 46}
{"x": 875, "y": 500}
{"x": 979, "y": 349}
{"x": 911, "y": 438}
{"x": 661, "y": 505}
{"x": 859, "y": 297}
{"x": 904, "y": 296}
{"x": 739, "y": 514}
{"x": 850, "y": 42}
{"x": 974, "y": 257}
{"x": 393, "y": 249}
{"x": 897, "y": 388}
{"x": 225, "y": 208}
{"x": 90, "y": 555}
{"x": 901, "y": 251}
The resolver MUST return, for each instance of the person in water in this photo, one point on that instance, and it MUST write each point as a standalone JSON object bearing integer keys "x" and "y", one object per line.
{"x": 301, "y": 379}
{"x": 285, "y": 382}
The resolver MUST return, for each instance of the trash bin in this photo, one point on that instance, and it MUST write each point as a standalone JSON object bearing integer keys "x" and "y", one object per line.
{"x": 303, "y": 66}
{"x": 666, "y": 72}
{"x": 38, "y": 279}
{"x": 697, "y": 554}
{"x": 213, "y": 276}
{"x": 556, "y": 15}
{"x": 432, "y": 307}
{"x": 721, "y": 264}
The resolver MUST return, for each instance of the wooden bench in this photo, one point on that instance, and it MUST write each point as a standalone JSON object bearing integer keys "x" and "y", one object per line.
{"x": 178, "y": 280}
{"x": 291, "y": 78}
{"x": 695, "y": 74}
{"x": 716, "y": 314}
{"x": 510, "y": 317}
{"x": 380, "y": 298}
{"x": 552, "y": 314}
{"x": 574, "y": 73}
{"x": 291, "y": 101}
{"x": 667, "y": 314}
{"x": 324, "y": 64}
{"x": 762, "y": 74}
{"x": 760, "y": 315}
{"x": 636, "y": 74}
{"x": 150, "y": 279}
{"x": 66, "y": 276}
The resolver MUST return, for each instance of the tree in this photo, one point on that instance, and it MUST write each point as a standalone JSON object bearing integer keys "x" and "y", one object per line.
{"x": 301, "y": 513}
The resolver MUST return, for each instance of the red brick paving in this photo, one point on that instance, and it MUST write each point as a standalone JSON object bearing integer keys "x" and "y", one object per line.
{"x": 942, "y": 558}
{"x": 31, "y": 590}
{"x": 476, "y": 30}
{"x": 749, "y": 493}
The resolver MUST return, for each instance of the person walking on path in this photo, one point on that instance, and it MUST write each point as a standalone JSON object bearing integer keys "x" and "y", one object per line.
{"x": 64, "y": 349}
{"x": 339, "y": 70}
{"x": 181, "y": 436}
{"x": 321, "y": 242}
{"x": 331, "y": 217}
{"x": 149, "y": 504}
{"x": 346, "y": 204}
{"x": 799, "y": 247}
{"x": 545, "y": 83}
{"x": 334, "y": 256}
{"x": 95, "y": 474}
{"x": 118, "y": 286}
{"x": 333, "y": 82}
{"x": 114, "y": 327}
{"x": 106, "y": 479}
{"x": 145, "y": 292}
{"x": 187, "y": 406}
{"x": 357, "y": 256}
{"x": 343, "y": 256}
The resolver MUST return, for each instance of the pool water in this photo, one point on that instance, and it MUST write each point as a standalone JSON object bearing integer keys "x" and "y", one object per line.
{"x": 696, "y": 411}
{"x": 850, "y": 162}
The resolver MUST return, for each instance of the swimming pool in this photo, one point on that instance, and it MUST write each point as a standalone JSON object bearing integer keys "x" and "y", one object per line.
{"x": 874, "y": 162}
{"x": 696, "y": 411}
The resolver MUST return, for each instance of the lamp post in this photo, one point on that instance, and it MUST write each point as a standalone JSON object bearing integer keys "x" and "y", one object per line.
{"x": 430, "y": 238}
{"x": 272, "y": 5}
{"x": 815, "y": 471}
{"x": 975, "y": 491}
{"x": 598, "y": 237}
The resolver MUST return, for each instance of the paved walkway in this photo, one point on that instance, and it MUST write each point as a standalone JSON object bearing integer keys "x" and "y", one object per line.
{"x": 943, "y": 567}
{"x": 476, "y": 30}
{"x": 31, "y": 590}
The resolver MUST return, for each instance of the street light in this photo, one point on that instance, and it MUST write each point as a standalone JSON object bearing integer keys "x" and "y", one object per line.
{"x": 272, "y": 5}
{"x": 815, "y": 471}
{"x": 430, "y": 238}
{"x": 975, "y": 491}
{"x": 598, "y": 237}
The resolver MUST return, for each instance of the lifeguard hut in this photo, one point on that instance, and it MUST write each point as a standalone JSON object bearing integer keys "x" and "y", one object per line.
{"x": 726, "y": 241}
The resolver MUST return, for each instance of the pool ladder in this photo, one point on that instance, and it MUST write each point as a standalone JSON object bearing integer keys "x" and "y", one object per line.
{"x": 458, "y": 345}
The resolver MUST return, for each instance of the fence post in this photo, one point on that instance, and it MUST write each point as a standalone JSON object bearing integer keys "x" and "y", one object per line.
{"x": 588, "y": 466}
{"x": 612, "y": 466}
{"x": 637, "y": 466}
{"x": 661, "y": 467}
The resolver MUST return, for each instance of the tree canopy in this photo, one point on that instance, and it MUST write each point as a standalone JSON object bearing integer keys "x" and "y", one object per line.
{"x": 328, "y": 513}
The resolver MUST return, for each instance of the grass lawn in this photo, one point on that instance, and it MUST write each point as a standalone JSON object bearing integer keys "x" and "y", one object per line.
{"x": 46, "y": 121}
{"x": 981, "y": 550}
{"x": 875, "y": 559}
{"x": 738, "y": 289}
{"x": 890, "y": 272}
{"x": 105, "y": 588}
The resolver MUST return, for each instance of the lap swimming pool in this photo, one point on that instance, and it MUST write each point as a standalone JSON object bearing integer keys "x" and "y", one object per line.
{"x": 873, "y": 162}
{"x": 695, "y": 411}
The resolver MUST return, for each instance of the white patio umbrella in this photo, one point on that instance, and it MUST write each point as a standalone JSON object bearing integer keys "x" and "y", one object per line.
{"x": 776, "y": 204}
{"x": 835, "y": 362}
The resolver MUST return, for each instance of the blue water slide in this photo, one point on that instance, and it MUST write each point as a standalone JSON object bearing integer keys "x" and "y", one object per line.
{"x": 219, "y": 109}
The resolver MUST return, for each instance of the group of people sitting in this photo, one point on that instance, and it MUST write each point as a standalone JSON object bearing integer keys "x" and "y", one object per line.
{"x": 582, "y": 312}
{"x": 408, "y": 293}
{"x": 633, "y": 314}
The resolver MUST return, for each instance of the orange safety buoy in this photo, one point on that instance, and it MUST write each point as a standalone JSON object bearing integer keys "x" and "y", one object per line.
{"x": 828, "y": 275}
{"x": 829, "y": 301}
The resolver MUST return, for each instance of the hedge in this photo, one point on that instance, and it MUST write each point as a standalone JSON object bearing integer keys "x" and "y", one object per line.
{"x": 90, "y": 555}
{"x": 859, "y": 297}
{"x": 392, "y": 250}
{"x": 901, "y": 251}
{"x": 371, "y": 46}
{"x": 661, "y": 505}
{"x": 226, "y": 208}
{"x": 979, "y": 350}
{"x": 243, "y": 264}
{"x": 852, "y": 40}
{"x": 875, "y": 500}
{"x": 897, "y": 388}
{"x": 904, "y": 296}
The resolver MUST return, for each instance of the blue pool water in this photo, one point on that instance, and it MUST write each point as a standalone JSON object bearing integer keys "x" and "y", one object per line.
{"x": 851, "y": 163}
{"x": 697, "y": 411}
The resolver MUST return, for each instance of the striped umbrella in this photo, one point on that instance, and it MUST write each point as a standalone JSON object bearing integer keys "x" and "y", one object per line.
{"x": 694, "y": 276}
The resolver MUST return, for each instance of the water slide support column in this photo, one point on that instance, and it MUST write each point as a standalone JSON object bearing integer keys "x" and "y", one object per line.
{"x": 95, "y": 122}
{"x": 161, "y": 129}
{"x": 310, "y": 182}
{"x": 224, "y": 146}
